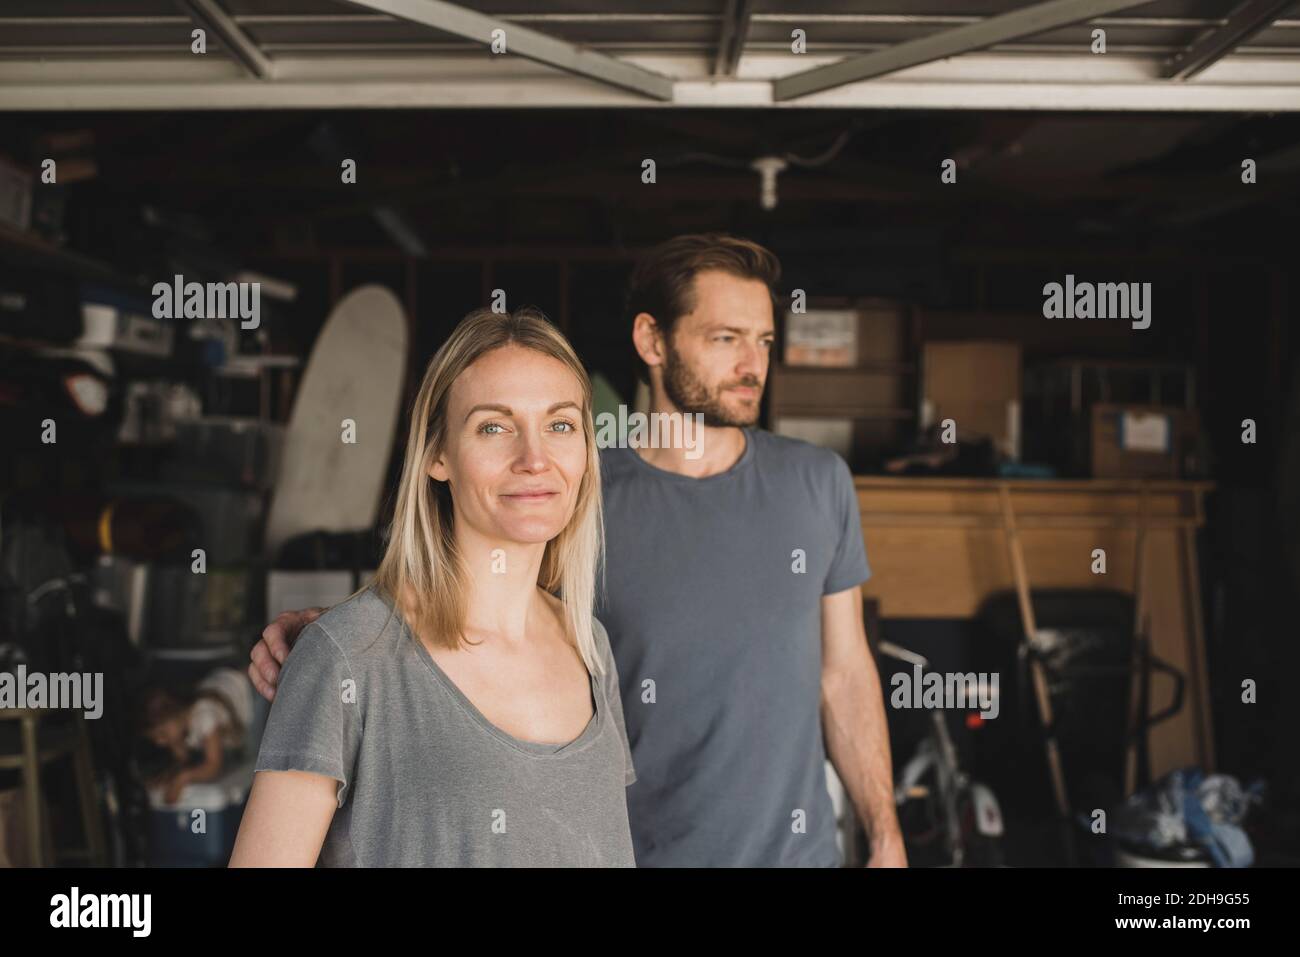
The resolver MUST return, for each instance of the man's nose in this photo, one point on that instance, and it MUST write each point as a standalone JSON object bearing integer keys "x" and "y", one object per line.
{"x": 753, "y": 361}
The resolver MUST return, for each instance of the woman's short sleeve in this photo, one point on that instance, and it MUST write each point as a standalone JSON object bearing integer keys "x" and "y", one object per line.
{"x": 315, "y": 719}
{"x": 614, "y": 696}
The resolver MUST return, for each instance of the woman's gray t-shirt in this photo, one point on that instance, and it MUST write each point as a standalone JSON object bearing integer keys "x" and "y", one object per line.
{"x": 424, "y": 778}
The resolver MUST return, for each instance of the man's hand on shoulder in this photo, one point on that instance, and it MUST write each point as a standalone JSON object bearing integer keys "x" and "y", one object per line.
{"x": 269, "y": 653}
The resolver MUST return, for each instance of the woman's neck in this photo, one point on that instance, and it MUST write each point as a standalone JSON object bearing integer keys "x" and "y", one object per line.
{"x": 501, "y": 580}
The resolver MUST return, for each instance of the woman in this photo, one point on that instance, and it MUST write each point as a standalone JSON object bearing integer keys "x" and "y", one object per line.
{"x": 463, "y": 710}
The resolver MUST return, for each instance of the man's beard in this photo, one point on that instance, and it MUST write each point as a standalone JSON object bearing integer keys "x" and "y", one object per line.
{"x": 690, "y": 395}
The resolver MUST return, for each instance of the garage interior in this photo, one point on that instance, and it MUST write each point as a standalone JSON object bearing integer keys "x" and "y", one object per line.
{"x": 924, "y": 171}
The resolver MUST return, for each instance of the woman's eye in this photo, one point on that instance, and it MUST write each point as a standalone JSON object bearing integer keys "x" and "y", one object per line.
{"x": 487, "y": 427}
{"x": 563, "y": 425}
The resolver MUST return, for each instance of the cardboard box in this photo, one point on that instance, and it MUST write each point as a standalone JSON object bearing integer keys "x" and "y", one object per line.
{"x": 977, "y": 385}
{"x": 870, "y": 331}
{"x": 1140, "y": 441}
{"x": 822, "y": 337}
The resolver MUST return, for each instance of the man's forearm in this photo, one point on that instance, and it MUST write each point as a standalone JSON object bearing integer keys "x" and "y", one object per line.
{"x": 857, "y": 742}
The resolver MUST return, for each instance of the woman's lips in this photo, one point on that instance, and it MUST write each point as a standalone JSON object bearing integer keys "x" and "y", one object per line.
{"x": 529, "y": 496}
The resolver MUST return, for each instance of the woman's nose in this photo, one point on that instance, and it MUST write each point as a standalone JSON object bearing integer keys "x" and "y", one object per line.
{"x": 531, "y": 452}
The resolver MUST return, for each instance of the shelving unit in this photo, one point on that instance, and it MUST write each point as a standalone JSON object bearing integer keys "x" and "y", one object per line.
{"x": 875, "y": 395}
{"x": 32, "y": 249}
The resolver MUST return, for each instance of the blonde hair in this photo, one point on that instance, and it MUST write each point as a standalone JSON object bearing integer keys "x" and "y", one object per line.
{"x": 421, "y": 561}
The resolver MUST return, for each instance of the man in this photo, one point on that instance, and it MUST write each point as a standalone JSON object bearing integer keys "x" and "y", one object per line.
{"x": 731, "y": 599}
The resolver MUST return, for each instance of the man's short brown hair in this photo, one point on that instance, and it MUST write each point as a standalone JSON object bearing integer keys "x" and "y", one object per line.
{"x": 663, "y": 282}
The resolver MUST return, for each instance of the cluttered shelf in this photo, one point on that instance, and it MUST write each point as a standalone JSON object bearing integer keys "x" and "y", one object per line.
{"x": 31, "y": 249}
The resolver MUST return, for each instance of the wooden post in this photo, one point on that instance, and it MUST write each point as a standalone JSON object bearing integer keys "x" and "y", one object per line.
{"x": 1199, "y": 697}
{"x": 84, "y": 772}
{"x": 38, "y": 845}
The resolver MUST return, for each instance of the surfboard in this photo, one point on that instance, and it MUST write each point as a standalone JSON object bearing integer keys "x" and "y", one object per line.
{"x": 344, "y": 420}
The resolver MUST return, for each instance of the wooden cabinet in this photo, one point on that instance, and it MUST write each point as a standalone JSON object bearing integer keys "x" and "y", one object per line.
{"x": 939, "y": 547}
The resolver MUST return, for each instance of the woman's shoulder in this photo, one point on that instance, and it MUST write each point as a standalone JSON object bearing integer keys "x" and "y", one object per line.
{"x": 355, "y": 625}
{"x": 559, "y": 611}
{"x": 601, "y": 637}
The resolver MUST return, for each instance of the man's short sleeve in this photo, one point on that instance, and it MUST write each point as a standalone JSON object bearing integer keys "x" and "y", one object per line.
{"x": 315, "y": 720}
{"x": 849, "y": 565}
{"x": 614, "y": 698}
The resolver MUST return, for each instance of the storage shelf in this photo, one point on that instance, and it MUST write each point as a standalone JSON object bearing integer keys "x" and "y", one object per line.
{"x": 881, "y": 367}
{"x": 33, "y": 248}
{"x": 842, "y": 412}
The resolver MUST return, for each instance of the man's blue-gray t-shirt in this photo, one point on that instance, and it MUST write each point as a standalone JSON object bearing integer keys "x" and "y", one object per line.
{"x": 713, "y": 608}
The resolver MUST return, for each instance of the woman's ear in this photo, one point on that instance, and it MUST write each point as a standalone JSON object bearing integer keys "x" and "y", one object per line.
{"x": 437, "y": 470}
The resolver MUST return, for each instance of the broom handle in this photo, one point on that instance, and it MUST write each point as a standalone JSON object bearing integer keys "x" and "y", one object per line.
{"x": 1035, "y": 666}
